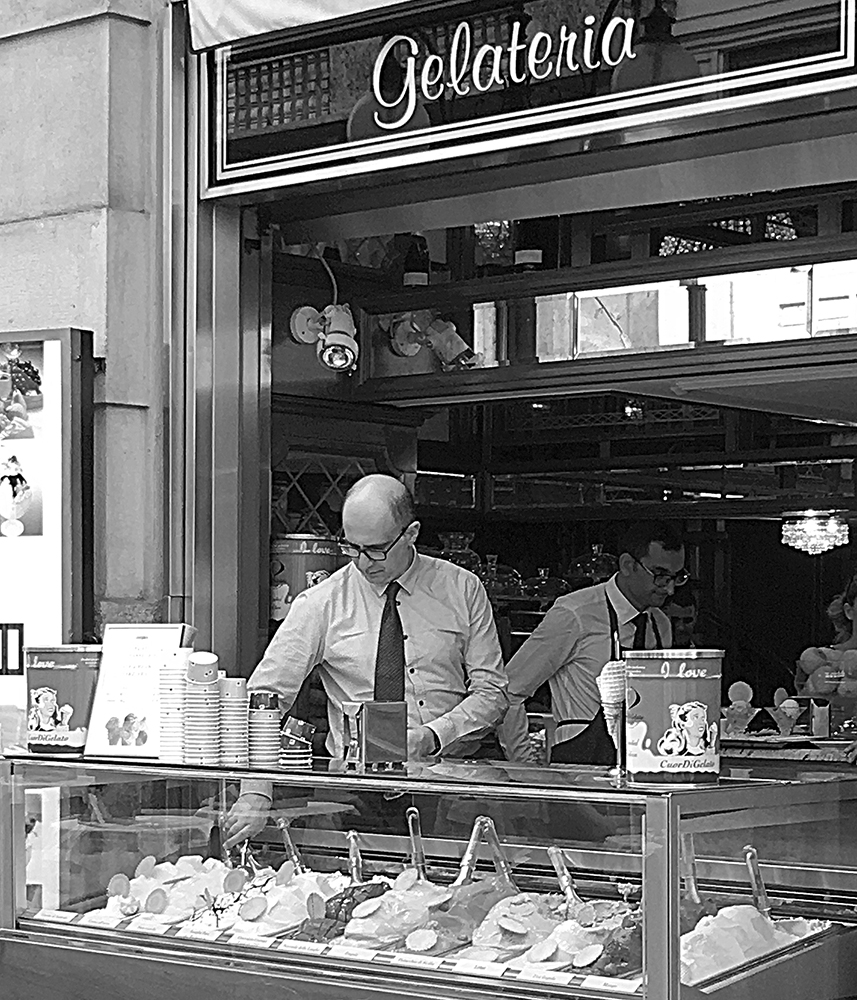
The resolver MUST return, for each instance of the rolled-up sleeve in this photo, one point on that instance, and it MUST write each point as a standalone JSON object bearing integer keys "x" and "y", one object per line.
{"x": 545, "y": 652}
{"x": 297, "y": 646}
{"x": 486, "y": 701}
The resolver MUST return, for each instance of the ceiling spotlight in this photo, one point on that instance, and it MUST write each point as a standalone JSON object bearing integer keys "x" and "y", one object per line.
{"x": 332, "y": 331}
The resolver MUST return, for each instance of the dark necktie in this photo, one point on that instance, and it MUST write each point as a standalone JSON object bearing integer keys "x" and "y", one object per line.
{"x": 390, "y": 661}
{"x": 641, "y": 623}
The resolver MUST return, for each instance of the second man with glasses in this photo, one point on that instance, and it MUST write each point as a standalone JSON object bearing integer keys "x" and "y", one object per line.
{"x": 585, "y": 629}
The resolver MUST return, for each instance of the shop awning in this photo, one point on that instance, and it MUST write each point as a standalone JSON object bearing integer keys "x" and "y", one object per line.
{"x": 217, "y": 22}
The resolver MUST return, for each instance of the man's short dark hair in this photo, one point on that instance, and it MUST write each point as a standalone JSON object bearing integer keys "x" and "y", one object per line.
{"x": 640, "y": 536}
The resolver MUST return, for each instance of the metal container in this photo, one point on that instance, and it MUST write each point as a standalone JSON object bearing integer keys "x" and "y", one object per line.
{"x": 375, "y": 733}
{"x": 672, "y": 730}
{"x": 297, "y": 563}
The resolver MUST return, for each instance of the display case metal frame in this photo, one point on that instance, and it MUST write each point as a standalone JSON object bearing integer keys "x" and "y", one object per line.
{"x": 667, "y": 811}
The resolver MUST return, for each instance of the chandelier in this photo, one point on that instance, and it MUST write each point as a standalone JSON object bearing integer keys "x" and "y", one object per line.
{"x": 814, "y": 532}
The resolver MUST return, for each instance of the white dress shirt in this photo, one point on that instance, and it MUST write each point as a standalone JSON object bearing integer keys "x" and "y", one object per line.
{"x": 569, "y": 649}
{"x": 455, "y": 680}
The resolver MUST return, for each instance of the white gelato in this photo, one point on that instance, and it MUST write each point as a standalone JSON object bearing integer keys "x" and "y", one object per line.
{"x": 733, "y": 936}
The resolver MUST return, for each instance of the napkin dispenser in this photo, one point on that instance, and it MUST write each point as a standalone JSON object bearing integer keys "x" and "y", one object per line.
{"x": 375, "y": 733}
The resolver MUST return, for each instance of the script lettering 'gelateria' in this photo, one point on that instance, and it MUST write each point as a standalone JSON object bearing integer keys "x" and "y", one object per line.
{"x": 463, "y": 72}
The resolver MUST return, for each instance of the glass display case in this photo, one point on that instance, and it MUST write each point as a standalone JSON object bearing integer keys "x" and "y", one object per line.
{"x": 453, "y": 880}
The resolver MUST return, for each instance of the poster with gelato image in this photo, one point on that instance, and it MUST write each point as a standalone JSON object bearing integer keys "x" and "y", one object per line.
{"x": 126, "y": 715}
{"x": 61, "y": 683}
{"x": 20, "y": 490}
{"x": 21, "y": 398}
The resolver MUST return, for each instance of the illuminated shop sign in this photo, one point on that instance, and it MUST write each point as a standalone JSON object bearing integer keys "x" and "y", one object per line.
{"x": 402, "y": 91}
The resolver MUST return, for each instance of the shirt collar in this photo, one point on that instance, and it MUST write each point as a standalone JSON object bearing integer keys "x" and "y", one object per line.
{"x": 625, "y": 610}
{"x": 407, "y": 581}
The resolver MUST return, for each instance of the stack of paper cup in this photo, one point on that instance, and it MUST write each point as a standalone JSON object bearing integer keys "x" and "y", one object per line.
{"x": 202, "y": 711}
{"x": 296, "y": 744}
{"x": 172, "y": 692}
{"x": 234, "y": 722}
{"x": 264, "y": 730}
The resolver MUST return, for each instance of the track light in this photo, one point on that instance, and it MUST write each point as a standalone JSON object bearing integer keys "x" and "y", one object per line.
{"x": 332, "y": 331}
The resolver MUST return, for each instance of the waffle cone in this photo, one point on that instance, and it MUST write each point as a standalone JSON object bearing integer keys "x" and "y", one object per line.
{"x": 611, "y": 683}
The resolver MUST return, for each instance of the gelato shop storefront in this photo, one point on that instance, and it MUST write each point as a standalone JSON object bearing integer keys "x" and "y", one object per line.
{"x": 559, "y": 269}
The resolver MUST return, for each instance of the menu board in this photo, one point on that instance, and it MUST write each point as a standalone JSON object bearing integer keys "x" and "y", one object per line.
{"x": 126, "y": 714}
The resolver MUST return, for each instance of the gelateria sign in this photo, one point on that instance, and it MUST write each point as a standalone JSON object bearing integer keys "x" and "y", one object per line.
{"x": 467, "y": 69}
{"x": 310, "y": 90}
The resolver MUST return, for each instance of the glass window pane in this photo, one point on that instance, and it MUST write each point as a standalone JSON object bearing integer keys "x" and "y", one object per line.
{"x": 635, "y": 318}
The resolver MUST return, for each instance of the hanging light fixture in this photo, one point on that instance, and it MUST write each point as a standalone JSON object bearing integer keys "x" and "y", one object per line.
{"x": 814, "y": 531}
{"x": 659, "y": 59}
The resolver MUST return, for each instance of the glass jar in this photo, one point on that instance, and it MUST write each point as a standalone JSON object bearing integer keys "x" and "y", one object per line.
{"x": 499, "y": 580}
{"x": 456, "y": 549}
{"x": 545, "y": 587}
{"x": 596, "y": 566}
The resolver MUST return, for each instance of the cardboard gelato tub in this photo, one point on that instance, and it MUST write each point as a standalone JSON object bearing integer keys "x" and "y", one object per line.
{"x": 672, "y": 731}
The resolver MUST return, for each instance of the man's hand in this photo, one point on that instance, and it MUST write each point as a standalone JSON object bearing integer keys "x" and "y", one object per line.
{"x": 421, "y": 742}
{"x": 246, "y": 818}
{"x": 851, "y": 753}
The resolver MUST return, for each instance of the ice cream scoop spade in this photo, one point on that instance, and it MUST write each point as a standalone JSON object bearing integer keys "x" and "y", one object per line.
{"x": 688, "y": 862}
{"x": 355, "y": 858}
{"x": 467, "y": 865}
{"x": 760, "y": 893}
{"x": 247, "y": 861}
{"x": 501, "y": 862}
{"x": 289, "y": 845}
{"x": 566, "y": 881}
{"x": 418, "y": 855}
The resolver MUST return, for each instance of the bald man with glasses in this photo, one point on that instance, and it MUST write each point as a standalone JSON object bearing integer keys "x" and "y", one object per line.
{"x": 392, "y": 625}
{"x": 585, "y": 629}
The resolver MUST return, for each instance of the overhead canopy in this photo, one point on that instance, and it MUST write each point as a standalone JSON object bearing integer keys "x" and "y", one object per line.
{"x": 218, "y": 22}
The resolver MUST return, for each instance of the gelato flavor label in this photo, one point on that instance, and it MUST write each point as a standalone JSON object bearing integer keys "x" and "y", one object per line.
{"x": 469, "y": 967}
{"x": 101, "y": 918}
{"x": 534, "y": 974}
{"x": 247, "y": 941}
{"x": 148, "y": 923}
{"x": 420, "y": 961}
{"x": 356, "y": 954}
{"x": 304, "y": 947}
{"x": 611, "y": 985}
{"x": 56, "y": 916}
{"x": 199, "y": 933}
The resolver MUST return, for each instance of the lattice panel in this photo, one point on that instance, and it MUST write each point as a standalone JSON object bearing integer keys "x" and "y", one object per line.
{"x": 308, "y": 492}
{"x": 278, "y": 92}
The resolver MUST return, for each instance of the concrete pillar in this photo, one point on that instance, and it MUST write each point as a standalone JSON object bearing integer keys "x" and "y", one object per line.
{"x": 79, "y": 232}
